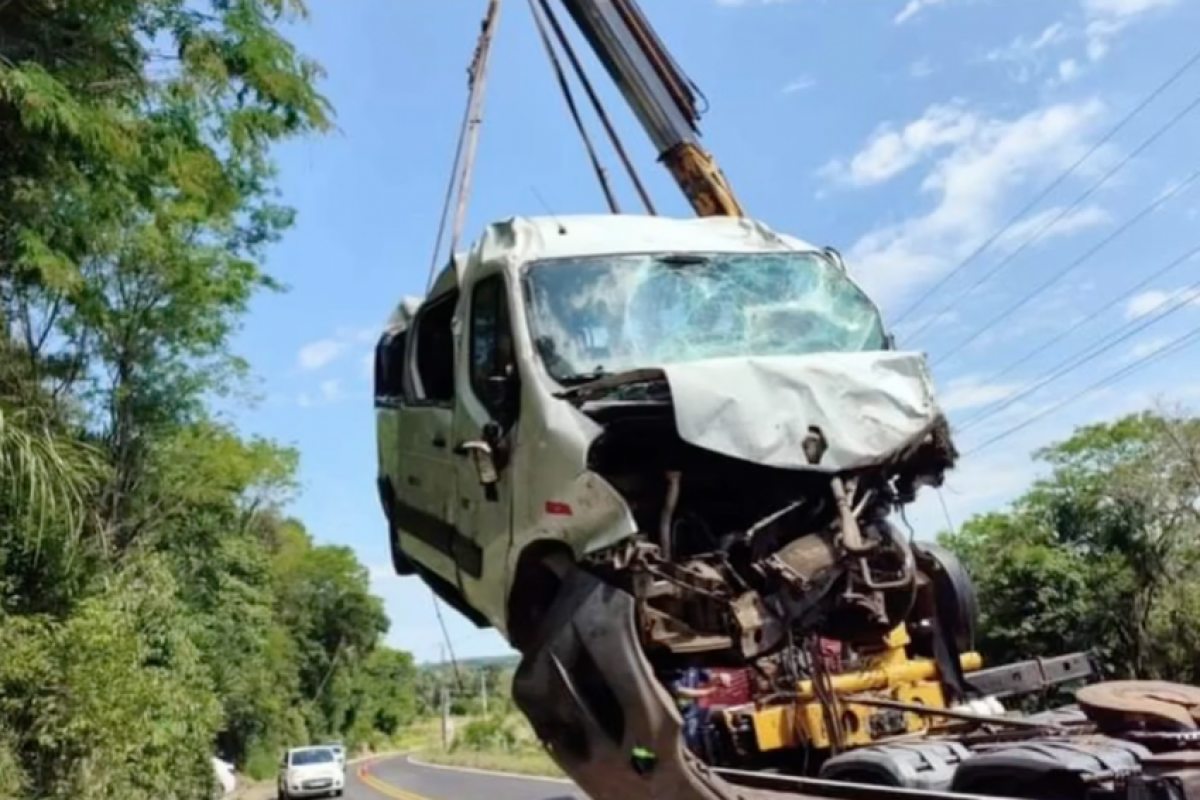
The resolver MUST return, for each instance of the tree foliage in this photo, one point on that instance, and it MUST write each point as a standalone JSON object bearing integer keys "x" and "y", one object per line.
{"x": 1102, "y": 554}
{"x": 156, "y": 605}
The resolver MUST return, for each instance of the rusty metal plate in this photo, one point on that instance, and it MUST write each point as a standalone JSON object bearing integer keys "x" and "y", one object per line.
{"x": 1157, "y": 704}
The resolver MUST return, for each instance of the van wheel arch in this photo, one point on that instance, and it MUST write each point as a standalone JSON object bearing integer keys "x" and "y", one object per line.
{"x": 539, "y": 575}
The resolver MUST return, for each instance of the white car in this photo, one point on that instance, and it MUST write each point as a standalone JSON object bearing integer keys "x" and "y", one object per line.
{"x": 339, "y": 752}
{"x": 311, "y": 772}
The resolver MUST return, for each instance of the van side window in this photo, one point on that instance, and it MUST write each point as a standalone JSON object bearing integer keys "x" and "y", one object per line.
{"x": 435, "y": 351}
{"x": 389, "y": 366}
{"x": 491, "y": 338}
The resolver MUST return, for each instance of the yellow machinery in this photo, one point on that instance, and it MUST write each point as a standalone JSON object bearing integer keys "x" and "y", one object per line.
{"x": 891, "y": 675}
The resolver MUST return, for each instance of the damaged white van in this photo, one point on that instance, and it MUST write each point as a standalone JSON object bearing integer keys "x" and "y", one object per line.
{"x": 636, "y": 443}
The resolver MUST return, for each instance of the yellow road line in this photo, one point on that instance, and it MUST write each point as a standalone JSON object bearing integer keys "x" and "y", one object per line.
{"x": 386, "y": 789}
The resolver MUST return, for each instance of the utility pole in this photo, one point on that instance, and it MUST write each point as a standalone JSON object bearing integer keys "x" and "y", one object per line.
{"x": 483, "y": 689}
{"x": 444, "y": 701}
{"x": 447, "y": 732}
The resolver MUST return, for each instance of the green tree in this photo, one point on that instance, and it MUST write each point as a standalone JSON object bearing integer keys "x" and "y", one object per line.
{"x": 1102, "y": 553}
{"x": 145, "y": 561}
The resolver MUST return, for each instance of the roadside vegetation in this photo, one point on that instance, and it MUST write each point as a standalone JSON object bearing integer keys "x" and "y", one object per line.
{"x": 488, "y": 734}
{"x": 157, "y": 606}
{"x": 1100, "y": 553}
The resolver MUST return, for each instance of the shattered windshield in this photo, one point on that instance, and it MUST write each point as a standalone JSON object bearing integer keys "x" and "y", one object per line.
{"x": 601, "y": 315}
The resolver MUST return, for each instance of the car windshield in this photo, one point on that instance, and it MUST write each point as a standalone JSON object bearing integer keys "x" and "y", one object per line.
{"x": 599, "y": 315}
{"x": 302, "y": 758}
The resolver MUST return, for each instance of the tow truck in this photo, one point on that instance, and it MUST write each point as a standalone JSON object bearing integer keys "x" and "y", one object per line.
{"x": 663, "y": 458}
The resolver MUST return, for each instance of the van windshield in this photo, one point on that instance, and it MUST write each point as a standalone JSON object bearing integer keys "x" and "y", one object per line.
{"x": 600, "y": 315}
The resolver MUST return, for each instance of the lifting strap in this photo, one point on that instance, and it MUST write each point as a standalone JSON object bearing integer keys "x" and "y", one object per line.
{"x": 565, "y": 87}
{"x": 597, "y": 105}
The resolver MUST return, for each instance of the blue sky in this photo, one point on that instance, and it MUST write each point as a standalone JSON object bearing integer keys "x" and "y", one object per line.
{"x": 903, "y": 132}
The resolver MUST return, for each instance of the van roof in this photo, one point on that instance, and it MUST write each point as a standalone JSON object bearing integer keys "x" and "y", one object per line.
{"x": 518, "y": 240}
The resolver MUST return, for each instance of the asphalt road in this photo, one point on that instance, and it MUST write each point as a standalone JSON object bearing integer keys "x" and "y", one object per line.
{"x": 397, "y": 778}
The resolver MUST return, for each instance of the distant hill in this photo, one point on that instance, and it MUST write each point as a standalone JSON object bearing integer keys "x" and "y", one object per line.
{"x": 509, "y": 661}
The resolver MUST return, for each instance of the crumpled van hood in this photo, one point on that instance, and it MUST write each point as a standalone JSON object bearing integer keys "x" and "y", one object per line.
{"x": 869, "y": 405}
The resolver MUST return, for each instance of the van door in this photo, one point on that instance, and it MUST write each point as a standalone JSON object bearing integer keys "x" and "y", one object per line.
{"x": 424, "y": 478}
{"x": 486, "y": 413}
{"x": 389, "y": 400}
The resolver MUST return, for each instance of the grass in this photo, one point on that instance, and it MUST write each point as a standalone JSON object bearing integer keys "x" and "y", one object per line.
{"x": 518, "y": 762}
{"x": 499, "y": 744}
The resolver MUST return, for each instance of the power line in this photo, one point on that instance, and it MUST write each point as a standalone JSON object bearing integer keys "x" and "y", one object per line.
{"x": 1062, "y": 214}
{"x": 1137, "y": 109}
{"x": 1150, "y": 98}
{"x": 1158, "y": 273}
{"x": 1146, "y": 211}
{"x": 946, "y": 512}
{"x": 437, "y": 609}
{"x": 1174, "y": 346}
{"x": 1067, "y": 367}
{"x": 1123, "y": 334}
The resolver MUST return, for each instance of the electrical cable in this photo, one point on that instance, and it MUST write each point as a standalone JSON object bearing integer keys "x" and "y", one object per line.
{"x": 569, "y": 97}
{"x": 1128, "y": 293}
{"x": 1129, "y": 116}
{"x": 1146, "y": 211}
{"x": 1062, "y": 214}
{"x": 437, "y": 609}
{"x": 1064, "y": 368}
{"x": 946, "y": 513}
{"x": 1174, "y": 346}
{"x": 445, "y": 216}
{"x": 1097, "y": 348}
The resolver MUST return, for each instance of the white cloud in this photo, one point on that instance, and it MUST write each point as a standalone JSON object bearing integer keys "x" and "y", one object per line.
{"x": 1159, "y": 300}
{"x": 890, "y": 152}
{"x": 914, "y": 7}
{"x": 921, "y": 68}
{"x": 985, "y": 161}
{"x": 1123, "y": 9}
{"x": 1094, "y": 24}
{"x": 800, "y": 84}
{"x": 971, "y": 391}
{"x": 331, "y": 390}
{"x": 321, "y": 353}
{"x": 1025, "y": 54}
{"x": 328, "y": 392}
{"x": 1107, "y": 18}
{"x": 1068, "y": 70}
{"x": 1148, "y": 347}
{"x": 1056, "y": 221}
{"x": 315, "y": 355}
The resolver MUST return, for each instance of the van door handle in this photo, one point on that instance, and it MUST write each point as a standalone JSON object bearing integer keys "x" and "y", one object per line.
{"x": 439, "y": 442}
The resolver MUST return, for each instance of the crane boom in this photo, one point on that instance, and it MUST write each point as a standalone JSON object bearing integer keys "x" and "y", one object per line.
{"x": 659, "y": 95}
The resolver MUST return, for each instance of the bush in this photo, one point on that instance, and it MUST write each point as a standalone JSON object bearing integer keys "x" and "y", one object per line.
{"x": 486, "y": 733}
